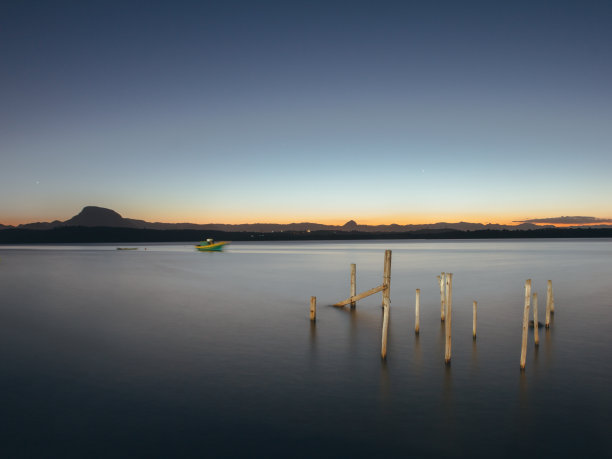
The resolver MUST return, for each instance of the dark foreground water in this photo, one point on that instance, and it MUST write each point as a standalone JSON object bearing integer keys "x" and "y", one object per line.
{"x": 170, "y": 352}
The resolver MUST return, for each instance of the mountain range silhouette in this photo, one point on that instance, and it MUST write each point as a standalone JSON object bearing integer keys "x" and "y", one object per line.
{"x": 93, "y": 216}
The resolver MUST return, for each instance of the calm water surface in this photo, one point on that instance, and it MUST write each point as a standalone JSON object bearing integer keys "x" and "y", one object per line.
{"x": 169, "y": 352}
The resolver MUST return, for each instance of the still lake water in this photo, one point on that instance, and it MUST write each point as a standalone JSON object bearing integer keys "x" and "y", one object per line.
{"x": 169, "y": 352}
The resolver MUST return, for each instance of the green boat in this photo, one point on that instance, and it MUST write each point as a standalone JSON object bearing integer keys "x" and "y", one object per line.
{"x": 210, "y": 245}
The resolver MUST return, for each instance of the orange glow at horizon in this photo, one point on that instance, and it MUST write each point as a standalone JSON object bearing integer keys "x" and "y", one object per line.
{"x": 152, "y": 214}
{"x": 237, "y": 220}
{"x": 327, "y": 219}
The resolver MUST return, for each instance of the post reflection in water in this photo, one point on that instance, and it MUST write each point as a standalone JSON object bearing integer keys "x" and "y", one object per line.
{"x": 448, "y": 404}
{"x": 447, "y": 388}
{"x": 353, "y": 327}
{"x": 356, "y": 319}
{"x": 523, "y": 388}
{"x": 313, "y": 335}
{"x": 474, "y": 354}
{"x": 522, "y": 416}
{"x": 548, "y": 343}
{"x": 384, "y": 382}
{"x": 418, "y": 355}
{"x": 313, "y": 351}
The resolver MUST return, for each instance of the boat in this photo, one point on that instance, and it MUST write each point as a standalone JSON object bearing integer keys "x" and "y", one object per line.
{"x": 127, "y": 248}
{"x": 209, "y": 245}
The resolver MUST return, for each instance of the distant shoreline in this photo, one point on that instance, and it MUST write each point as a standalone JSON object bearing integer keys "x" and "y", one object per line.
{"x": 120, "y": 235}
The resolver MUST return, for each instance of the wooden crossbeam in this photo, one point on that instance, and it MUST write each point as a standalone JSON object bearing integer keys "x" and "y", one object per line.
{"x": 361, "y": 296}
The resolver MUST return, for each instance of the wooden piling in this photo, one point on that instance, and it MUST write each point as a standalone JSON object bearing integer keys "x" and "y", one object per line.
{"x": 449, "y": 315}
{"x": 552, "y": 298}
{"x": 525, "y": 323}
{"x": 417, "y": 311}
{"x": 548, "y": 298}
{"x": 442, "y": 306}
{"x": 353, "y": 284}
{"x": 536, "y": 335}
{"x": 313, "y": 308}
{"x": 474, "y": 306}
{"x": 387, "y": 278}
{"x": 385, "y": 328}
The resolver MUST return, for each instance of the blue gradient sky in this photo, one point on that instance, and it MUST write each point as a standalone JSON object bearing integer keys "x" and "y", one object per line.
{"x": 382, "y": 112}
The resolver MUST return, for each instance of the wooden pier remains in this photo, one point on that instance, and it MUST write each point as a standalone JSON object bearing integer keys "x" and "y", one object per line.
{"x": 445, "y": 282}
{"x": 353, "y": 284}
{"x": 474, "y": 307}
{"x": 448, "y": 301}
{"x": 417, "y": 311}
{"x": 384, "y": 287}
{"x": 442, "y": 306}
{"x": 550, "y": 303}
{"x": 313, "y": 308}
{"x": 525, "y": 323}
{"x": 385, "y": 328}
{"x": 536, "y": 334}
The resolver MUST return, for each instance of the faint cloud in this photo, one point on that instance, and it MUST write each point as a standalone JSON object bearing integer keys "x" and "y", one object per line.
{"x": 567, "y": 220}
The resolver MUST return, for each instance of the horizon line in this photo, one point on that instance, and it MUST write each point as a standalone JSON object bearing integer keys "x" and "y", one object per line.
{"x": 561, "y": 221}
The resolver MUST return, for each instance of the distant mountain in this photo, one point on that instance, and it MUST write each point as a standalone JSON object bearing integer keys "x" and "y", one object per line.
{"x": 98, "y": 216}
{"x": 92, "y": 216}
{"x": 42, "y": 225}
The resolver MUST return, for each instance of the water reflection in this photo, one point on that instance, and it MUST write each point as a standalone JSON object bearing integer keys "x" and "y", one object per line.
{"x": 523, "y": 396}
{"x": 384, "y": 382}
{"x": 353, "y": 328}
{"x": 522, "y": 380}
{"x": 448, "y": 408}
{"x": 522, "y": 418}
{"x": 447, "y": 388}
{"x": 548, "y": 341}
{"x": 418, "y": 354}
{"x": 474, "y": 354}
{"x": 353, "y": 315}
{"x": 313, "y": 354}
{"x": 313, "y": 335}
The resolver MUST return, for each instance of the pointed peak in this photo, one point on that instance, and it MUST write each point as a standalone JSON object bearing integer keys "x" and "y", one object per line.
{"x": 350, "y": 224}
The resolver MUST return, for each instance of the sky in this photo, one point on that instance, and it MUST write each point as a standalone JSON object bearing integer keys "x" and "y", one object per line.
{"x": 290, "y": 111}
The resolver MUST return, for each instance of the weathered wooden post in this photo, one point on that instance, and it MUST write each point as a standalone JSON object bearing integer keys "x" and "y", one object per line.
{"x": 552, "y": 298}
{"x": 353, "y": 284}
{"x": 449, "y": 316}
{"x": 525, "y": 323}
{"x": 386, "y": 302}
{"x": 385, "y": 328}
{"x": 417, "y": 311}
{"x": 387, "y": 278}
{"x": 313, "y": 308}
{"x": 548, "y": 298}
{"x": 441, "y": 281}
{"x": 536, "y": 334}
{"x": 474, "y": 306}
